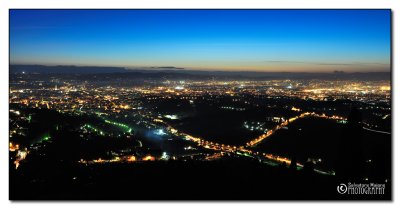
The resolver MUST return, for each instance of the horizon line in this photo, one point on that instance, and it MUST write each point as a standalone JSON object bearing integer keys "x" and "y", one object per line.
{"x": 174, "y": 68}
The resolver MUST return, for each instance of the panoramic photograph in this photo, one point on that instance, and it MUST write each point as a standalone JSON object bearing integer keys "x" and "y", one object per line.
{"x": 194, "y": 104}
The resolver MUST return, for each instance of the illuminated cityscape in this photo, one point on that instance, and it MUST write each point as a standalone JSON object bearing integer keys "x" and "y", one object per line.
{"x": 147, "y": 120}
{"x": 81, "y": 132}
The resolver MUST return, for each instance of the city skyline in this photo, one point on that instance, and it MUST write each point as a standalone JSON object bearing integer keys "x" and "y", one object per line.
{"x": 230, "y": 40}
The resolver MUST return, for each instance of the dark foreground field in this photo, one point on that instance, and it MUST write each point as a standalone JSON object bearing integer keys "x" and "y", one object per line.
{"x": 318, "y": 138}
{"x": 227, "y": 179}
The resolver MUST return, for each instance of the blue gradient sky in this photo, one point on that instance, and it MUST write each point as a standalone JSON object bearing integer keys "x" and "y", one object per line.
{"x": 256, "y": 40}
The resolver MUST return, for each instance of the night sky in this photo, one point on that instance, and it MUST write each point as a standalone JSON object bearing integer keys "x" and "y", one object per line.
{"x": 253, "y": 40}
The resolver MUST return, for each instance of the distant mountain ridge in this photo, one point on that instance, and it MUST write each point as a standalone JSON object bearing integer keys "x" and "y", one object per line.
{"x": 181, "y": 73}
{"x": 64, "y": 69}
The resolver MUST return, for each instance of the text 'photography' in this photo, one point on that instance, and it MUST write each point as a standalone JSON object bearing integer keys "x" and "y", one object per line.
{"x": 200, "y": 105}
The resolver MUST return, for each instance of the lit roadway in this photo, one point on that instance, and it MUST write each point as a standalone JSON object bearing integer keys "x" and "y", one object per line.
{"x": 382, "y": 132}
{"x": 261, "y": 138}
{"x": 244, "y": 150}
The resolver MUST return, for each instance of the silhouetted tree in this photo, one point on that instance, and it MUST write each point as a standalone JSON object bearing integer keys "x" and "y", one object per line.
{"x": 293, "y": 164}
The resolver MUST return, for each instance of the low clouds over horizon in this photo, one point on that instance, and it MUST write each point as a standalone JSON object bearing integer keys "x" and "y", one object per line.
{"x": 327, "y": 63}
